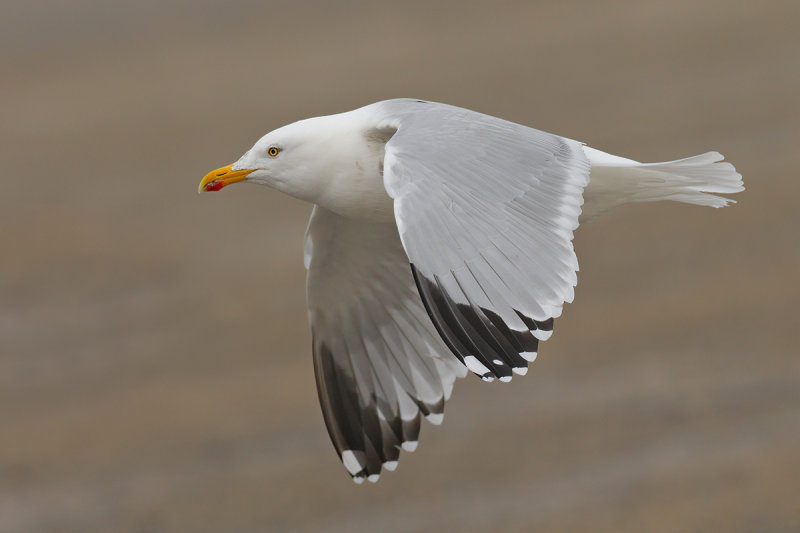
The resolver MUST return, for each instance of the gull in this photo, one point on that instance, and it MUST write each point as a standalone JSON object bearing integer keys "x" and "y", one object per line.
{"x": 440, "y": 241}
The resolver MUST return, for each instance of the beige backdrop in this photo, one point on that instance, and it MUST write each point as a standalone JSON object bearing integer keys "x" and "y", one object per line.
{"x": 154, "y": 353}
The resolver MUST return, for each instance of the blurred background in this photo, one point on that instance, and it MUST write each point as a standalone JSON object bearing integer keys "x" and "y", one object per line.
{"x": 155, "y": 368}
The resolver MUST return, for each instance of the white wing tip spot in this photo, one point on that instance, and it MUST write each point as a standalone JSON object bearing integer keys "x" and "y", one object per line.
{"x": 354, "y": 462}
{"x": 529, "y": 356}
{"x": 435, "y": 418}
{"x": 476, "y": 366}
{"x": 358, "y": 479}
{"x": 520, "y": 370}
{"x": 373, "y": 478}
{"x": 541, "y": 334}
{"x": 390, "y": 465}
{"x": 409, "y": 445}
{"x": 505, "y": 379}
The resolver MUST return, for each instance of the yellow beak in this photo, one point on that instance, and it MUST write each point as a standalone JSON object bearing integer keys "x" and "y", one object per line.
{"x": 217, "y": 179}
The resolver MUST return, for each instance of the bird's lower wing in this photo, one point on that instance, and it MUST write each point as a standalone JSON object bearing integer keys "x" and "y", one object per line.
{"x": 379, "y": 364}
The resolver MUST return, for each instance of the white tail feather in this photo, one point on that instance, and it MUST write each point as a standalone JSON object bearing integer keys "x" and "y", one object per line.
{"x": 615, "y": 181}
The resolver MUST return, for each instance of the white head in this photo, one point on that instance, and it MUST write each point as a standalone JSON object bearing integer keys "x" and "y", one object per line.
{"x": 304, "y": 159}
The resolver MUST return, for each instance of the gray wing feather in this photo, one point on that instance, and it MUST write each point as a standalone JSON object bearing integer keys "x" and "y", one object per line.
{"x": 486, "y": 211}
{"x": 378, "y": 361}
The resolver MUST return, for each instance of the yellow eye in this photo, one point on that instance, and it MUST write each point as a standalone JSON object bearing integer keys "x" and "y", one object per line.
{"x": 273, "y": 151}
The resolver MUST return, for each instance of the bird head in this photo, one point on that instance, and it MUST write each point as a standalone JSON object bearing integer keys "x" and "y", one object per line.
{"x": 298, "y": 159}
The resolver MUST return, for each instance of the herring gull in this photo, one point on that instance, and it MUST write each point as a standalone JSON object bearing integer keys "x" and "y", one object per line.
{"x": 440, "y": 241}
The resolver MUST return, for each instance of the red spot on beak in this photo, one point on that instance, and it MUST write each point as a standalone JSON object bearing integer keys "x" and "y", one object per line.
{"x": 214, "y": 185}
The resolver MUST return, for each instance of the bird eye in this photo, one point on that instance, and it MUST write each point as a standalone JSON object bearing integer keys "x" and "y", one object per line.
{"x": 273, "y": 151}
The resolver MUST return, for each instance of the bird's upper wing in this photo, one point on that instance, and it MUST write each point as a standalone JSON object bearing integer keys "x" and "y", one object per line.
{"x": 486, "y": 209}
{"x": 378, "y": 361}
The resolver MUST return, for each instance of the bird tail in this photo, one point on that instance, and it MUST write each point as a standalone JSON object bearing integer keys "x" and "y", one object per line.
{"x": 615, "y": 180}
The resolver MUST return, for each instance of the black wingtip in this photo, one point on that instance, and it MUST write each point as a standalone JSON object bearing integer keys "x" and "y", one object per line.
{"x": 478, "y": 336}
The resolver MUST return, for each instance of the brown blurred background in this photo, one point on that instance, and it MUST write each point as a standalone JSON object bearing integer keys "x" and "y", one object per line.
{"x": 155, "y": 370}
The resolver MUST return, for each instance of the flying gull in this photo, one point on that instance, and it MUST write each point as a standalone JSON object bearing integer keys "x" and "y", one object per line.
{"x": 440, "y": 241}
